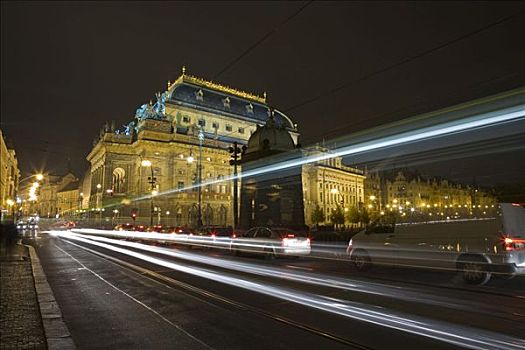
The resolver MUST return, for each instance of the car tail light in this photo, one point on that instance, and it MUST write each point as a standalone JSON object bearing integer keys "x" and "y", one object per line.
{"x": 234, "y": 236}
{"x": 290, "y": 235}
{"x": 511, "y": 244}
{"x": 213, "y": 235}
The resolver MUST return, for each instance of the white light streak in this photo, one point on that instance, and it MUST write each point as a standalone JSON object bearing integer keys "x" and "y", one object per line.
{"x": 450, "y": 333}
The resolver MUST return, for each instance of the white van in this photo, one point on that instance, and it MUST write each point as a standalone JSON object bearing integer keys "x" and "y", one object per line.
{"x": 476, "y": 248}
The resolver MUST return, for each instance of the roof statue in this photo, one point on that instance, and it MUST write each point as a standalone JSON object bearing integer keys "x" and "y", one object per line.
{"x": 160, "y": 106}
{"x": 156, "y": 111}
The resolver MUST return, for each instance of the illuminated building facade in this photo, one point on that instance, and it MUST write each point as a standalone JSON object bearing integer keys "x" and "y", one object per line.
{"x": 9, "y": 177}
{"x": 408, "y": 192}
{"x": 328, "y": 184}
{"x": 165, "y": 137}
{"x": 50, "y": 201}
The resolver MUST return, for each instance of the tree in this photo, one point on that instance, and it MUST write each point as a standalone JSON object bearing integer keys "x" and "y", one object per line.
{"x": 337, "y": 217}
{"x": 353, "y": 215}
{"x": 364, "y": 217}
{"x": 317, "y": 215}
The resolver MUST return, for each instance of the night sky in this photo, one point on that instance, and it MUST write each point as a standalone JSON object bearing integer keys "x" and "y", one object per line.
{"x": 334, "y": 68}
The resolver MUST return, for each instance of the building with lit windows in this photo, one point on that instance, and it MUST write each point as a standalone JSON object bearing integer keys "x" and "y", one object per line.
{"x": 152, "y": 165}
{"x": 69, "y": 200}
{"x": 51, "y": 200}
{"x": 328, "y": 184}
{"x": 9, "y": 177}
{"x": 409, "y": 193}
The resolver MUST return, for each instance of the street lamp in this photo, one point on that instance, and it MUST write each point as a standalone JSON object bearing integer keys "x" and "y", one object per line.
{"x": 99, "y": 187}
{"x": 190, "y": 160}
{"x": 151, "y": 180}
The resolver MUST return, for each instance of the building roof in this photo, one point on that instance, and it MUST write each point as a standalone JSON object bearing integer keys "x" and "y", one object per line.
{"x": 71, "y": 186}
{"x": 270, "y": 137}
{"x": 217, "y": 98}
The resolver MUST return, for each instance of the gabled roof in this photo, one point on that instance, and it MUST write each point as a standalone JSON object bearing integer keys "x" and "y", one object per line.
{"x": 71, "y": 186}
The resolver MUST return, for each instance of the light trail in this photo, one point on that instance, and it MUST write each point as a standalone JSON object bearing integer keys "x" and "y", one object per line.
{"x": 507, "y": 115}
{"x": 449, "y": 333}
{"x": 380, "y": 289}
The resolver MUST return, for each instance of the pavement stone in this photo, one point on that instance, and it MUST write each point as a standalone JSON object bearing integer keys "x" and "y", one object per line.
{"x": 20, "y": 321}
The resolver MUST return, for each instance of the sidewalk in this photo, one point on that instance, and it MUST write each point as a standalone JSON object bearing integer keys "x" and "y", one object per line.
{"x": 30, "y": 318}
{"x": 20, "y": 321}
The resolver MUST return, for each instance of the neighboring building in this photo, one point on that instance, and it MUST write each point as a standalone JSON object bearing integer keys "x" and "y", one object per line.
{"x": 9, "y": 177}
{"x": 275, "y": 197}
{"x": 328, "y": 184}
{"x": 69, "y": 200}
{"x": 47, "y": 204}
{"x": 166, "y": 134}
{"x": 410, "y": 192}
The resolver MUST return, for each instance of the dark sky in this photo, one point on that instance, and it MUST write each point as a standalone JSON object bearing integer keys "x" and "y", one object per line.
{"x": 69, "y": 67}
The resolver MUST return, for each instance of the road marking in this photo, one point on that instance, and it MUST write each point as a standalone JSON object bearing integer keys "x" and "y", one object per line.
{"x": 131, "y": 297}
{"x": 167, "y": 281}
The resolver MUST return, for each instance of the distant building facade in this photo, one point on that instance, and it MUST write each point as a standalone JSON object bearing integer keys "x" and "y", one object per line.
{"x": 9, "y": 177}
{"x": 69, "y": 201}
{"x": 328, "y": 184}
{"x": 409, "y": 193}
{"x": 51, "y": 200}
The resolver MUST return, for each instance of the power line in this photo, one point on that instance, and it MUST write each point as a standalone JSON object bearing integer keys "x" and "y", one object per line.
{"x": 408, "y": 109}
{"x": 406, "y": 60}
{"x": 258, "y": 42}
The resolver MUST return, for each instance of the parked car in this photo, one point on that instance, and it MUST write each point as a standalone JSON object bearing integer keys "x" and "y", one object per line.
{"x": 21, "y": 225}
{"x": 32, "y": 225}
{"x": 476, "y": 248}
{"x": 124, "y": 227}
{"x": 272, "y": 242}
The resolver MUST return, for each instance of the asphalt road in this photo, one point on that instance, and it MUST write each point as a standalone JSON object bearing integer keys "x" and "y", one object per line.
{"x": 118, "y": 294}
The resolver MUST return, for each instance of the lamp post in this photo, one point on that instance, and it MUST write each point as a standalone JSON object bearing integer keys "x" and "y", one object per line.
{"x": 80, "y": 200}
{"x": 99, "y": 187}
{"x": 39, "y": 177}
{"x": 152, "y": 181}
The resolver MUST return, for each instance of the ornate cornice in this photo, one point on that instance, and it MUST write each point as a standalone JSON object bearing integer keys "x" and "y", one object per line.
{"x": 186, "y": 78}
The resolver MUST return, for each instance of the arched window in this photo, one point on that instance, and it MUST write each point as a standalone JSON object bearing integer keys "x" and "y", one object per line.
{"x": 208, "y": 215}
{"x": 119, "y": 176}
{"x": 222, "y": 215}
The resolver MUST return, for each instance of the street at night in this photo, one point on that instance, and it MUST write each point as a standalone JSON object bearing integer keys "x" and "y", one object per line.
{"x": 149, "y": 304}
{"x": 262, "y": 175}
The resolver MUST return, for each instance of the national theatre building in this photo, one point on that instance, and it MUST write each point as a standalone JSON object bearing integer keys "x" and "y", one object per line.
{"x": 185, "y": 137}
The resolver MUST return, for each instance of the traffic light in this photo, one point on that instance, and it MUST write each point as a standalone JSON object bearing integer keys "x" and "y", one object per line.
{"x": 235, "y": 151}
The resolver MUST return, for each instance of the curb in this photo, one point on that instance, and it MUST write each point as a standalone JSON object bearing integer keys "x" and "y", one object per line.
{"x": 56, "y": 331}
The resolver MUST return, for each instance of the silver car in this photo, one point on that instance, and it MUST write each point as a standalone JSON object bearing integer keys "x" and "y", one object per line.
{"x": 477, "y": 248}
{"x": 272, "y": 242}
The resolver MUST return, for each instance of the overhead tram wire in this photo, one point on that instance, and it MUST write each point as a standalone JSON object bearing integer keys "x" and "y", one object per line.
{"x": 403, "y": 110}
{"x": 261, "y": 40}
{"x": 406, "y": 60}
